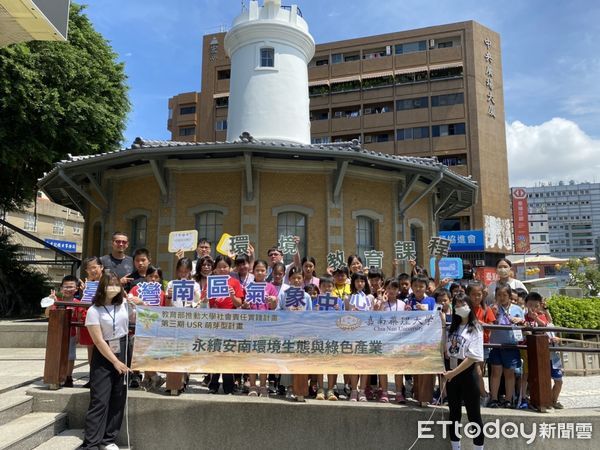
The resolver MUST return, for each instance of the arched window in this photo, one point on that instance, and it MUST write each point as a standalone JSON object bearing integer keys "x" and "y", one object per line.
{"x": 210, "y": 226}
{"x": 139, "y": 226}
{"x": 365, "y": 235}
{"x": 292, "y": 224}
{"x": 267, "y": 57}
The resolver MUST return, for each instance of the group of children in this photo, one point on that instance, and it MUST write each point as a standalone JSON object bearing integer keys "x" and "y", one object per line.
{"x": 356, "y": 290}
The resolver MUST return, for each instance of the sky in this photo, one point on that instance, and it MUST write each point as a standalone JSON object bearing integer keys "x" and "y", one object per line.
{"x": 550, "y": 62}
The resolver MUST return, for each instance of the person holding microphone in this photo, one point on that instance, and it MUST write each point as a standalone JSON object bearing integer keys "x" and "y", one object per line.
{"x": 107, "y": 321}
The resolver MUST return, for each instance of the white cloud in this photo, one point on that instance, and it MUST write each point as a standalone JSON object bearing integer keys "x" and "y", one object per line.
{"x": 553, "y": 151}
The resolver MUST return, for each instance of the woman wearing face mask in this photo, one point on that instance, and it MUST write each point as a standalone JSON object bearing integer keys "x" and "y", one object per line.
{"x": 464, "y": 349}
{"x": 503, "y": 268}
{"x": 107, "y": 321}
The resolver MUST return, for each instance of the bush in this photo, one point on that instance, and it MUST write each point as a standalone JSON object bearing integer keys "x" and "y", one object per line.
{"x": 21, "y": 287}
{"x": 572, "y": 312}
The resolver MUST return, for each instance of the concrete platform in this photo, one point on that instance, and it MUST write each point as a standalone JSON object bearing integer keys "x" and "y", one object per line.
{"x": 199, "y": 420}
{"x": 23, "y": 333}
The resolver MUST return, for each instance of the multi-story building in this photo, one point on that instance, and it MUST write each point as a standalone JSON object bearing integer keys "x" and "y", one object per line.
{"x": 434, "y": 91}
{"x": 539, "y": 236}
{"x": 573, "y": 211}
{"x": 54, "y": 224}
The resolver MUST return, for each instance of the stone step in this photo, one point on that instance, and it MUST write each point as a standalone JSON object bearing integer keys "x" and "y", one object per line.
{"x": 28, "y": 431}
{"x": 15, "y": 403}
{"x": 67, "y": 440}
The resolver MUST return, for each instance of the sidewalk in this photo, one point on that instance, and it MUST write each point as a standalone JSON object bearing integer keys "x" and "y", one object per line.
{"x": 21, "y": 366}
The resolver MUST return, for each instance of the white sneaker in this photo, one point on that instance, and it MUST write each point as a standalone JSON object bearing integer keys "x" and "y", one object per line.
{"x": 112, "y": 446}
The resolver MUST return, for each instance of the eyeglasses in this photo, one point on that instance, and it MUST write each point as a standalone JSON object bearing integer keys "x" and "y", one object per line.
{"x": 120, "y": 242}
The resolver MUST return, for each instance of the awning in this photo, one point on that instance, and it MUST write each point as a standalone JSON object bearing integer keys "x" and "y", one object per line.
{"x": 221, "y": 94}
{"x": 446, "y": 65}
{"x": 319, "y": 83}
{"x": 387, "y": 73}
{"x": 411, "y": 70}
{"x": 345, "y": 79}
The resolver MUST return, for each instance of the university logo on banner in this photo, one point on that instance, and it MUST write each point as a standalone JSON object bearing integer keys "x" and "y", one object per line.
{"x": 90, "y": 290}
{"x": 150, "y": 292}
{"x": 217, "y": 286}
{"x": 183, "y": 291}
{"x": 255, "y": 293}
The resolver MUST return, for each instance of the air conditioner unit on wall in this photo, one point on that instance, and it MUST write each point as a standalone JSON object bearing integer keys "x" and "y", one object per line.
{"x": 368, "y": 139}
{"x": 338, "y": 114}
{"x": 431, "y": 43}
{"x": 367, "y": 111}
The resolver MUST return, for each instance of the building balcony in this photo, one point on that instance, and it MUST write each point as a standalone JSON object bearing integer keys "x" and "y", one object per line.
{"x": 222, "y": 85}
{"x": 412, "y": 88}
{"x": 378, "y": 120}
{"x": 345, "y": 124}
{"x": 444, "y": 85}
{"x": 412, "y": 116}
{"x": 420, "y": 147}
{"x": 318, "y": 72}
{"x": 344, "y": 69}
{"x": 456, "y": 142}
{"x": 319, "y": 126}
{"x": 377, "y": 64}
{"x": 383, "y": 147}
{"x": 374, "y": 93}
{"x": 460, "y": 170}
{"x": 410, "y": 59}
{"x": 319, "y": 100}
{"x": 448, "y": 112}
{"x": 442, "y": 55}
{"x": 345, "y": 97}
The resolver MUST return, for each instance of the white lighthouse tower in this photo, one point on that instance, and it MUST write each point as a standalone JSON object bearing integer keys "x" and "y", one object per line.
{"x": 270, "y": 48}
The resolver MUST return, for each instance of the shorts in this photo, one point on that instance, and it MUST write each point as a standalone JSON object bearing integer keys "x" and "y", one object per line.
{"x": 556, "y": 369}
{"x": 508, "y": 358}
{"x": 72, "y": 348}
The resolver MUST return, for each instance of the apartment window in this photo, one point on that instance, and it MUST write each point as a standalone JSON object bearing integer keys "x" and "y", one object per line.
{"x": 139, "y": 226}
{"x": 411, "y": 47}
{"x": 224, "y": 74}
{"x": 210, "y": 226}
{"x": 27, "y": 254}
{"x": 267, "y": 57}
{"x": 365, "y": 234}
{"x": 448, "y": 130}
{"x": 58, "y": 229}
{"x": 320, "y": 140}
{"x": 453, "y": 160}
{"x": 187, "y": 131}
{"x": 76, "y": 228}
{"x": 412, "y": 103}
{"x": 377, "y": 138}
{"x": 448, "y": 100}
{"x": 319, "y": 115}
{"x": 221, "y": 125}
{"x": 222, "y": 102}
{"x": 445, "y": 44}
{"x": 337, "y": 58}
{"x": 448, "y": 72}
{"x": 292, "y": 224}
{"x": 406, "y": 134}
{"x": 187, "y": 110}
{"x": 30, "y": 223}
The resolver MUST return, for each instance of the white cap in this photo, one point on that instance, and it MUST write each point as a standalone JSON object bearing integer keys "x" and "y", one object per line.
{"x": 47, "y": 301}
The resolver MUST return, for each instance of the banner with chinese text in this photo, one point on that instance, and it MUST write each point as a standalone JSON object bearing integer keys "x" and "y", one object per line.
{"x": 245, "y": 341}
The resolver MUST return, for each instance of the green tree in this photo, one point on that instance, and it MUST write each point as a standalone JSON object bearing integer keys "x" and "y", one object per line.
{"x": 585, "y": 275}
{"x": 21, "y": 286}
{"x": 57, "y": 98}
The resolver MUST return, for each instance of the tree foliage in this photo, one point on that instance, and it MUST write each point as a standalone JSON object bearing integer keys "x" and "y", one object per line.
{"x": 585, "y": 275}
{"x": 57, "y": 98}
{"x": 21, "y": 286}
{"x": 570, "y": 312}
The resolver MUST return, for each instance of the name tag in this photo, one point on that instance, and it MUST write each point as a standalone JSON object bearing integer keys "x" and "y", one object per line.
{"x": 518, "y": 335}
{"x": 115, "y": 346}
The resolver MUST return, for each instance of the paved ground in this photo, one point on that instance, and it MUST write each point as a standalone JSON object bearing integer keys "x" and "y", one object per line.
{"x": 20, "y": 366}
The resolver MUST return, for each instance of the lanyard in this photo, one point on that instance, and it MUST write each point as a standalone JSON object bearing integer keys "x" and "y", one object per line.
{"x": 390, "y": 306}
{"x": 113, "y": 316}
